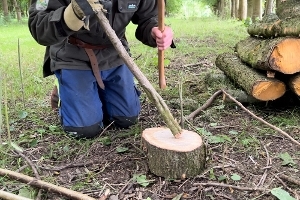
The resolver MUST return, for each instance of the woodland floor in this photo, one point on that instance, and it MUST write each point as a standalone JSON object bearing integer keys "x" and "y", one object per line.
{"x": 248, "y": 149}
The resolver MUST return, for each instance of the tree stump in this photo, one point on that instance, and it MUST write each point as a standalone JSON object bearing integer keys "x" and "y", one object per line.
{"x": 174, "y": 158}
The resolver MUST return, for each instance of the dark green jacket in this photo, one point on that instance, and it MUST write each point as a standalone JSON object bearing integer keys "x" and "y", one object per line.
{"x": 48, "y": 28}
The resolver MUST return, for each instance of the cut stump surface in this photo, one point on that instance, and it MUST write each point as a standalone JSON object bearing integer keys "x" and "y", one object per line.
{"x": 171, "y": 157}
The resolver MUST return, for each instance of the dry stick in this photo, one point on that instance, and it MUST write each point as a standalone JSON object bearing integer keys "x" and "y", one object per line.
{"x": 231, "y": 186}
{"x": 292, "y": 180}
{"x": 72, "y": 165}
{"x": 11, "y": 196}
{"x": 21, "y": 75}
{"x": 263, "y": 178}
{"x": 204, "y": 106}
{"x": 261, "y": 120}
{"x": 283, "y": 183}
{"x": 36, "y": 174}
{"x": 163, "y": 109}
{"x": 44, "y": 185}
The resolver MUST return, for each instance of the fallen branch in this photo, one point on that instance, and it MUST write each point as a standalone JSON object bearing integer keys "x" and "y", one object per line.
{"x": 216, "y": 94}
{"x": 231, "y": 186}
{"x": 11, "y": 196}
{"x": 261, "y": 120}
{"x": 289, "y": 179}
{"x": 44, "y": 185}
{"x": 204, "y": 106}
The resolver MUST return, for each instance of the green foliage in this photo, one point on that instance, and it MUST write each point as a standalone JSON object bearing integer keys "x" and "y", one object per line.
{"x": 281, "y": 194}
{"x": 235, "y": 177}
{"x": 173, "y": 6}
{"x": 141, "y": 179}
{"x": 286, "y": 159}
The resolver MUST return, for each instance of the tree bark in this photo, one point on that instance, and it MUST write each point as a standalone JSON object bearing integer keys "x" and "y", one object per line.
{"x": 294, "y": 83}
{"x": 257, "y": 10}
{"x": 250, "y": 9}
{"x": 271, "y": 26}
{"x": 5, "y": 10}
{"x": 278, "y": 54}
{"x": 242, "y": 9}
{"x": 237, "y": 3}
{"x": 253, "y": 82}
{"x": 18, "y": 10}
{"x": 233, "y": 9}
{"x": 268, "y": 7}
{"x": 286, "y": 9}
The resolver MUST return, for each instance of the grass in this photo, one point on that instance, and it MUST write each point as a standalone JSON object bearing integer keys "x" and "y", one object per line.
{"x": 197, "y": 41}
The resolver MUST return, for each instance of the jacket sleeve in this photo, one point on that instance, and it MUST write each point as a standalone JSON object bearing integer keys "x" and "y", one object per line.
{"x": 46, "y": 22}
{"x": 146, "y": 18}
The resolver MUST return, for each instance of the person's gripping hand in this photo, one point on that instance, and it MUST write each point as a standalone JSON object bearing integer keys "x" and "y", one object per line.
{"x": 78, "y": 12}
{"x": 163, "y": 39}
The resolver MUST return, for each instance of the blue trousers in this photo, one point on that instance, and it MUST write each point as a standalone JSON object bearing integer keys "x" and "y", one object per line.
{"x": 84, "y": 105}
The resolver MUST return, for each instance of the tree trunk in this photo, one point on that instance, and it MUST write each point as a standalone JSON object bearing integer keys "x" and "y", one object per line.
{"x": 174, "y": 158}
{"x": 18, "y": 10}
{"x": 242, "y": 9}
{"x": 257, "y": 10}
{"x": 286, "y": 9}
{"x": 294, "y": 83}
{"x": 253, "y": 82}
{"x": 250, "y": 9}
{"x": 279, "y": 54}
{"x": 233, "y": 9}
{"x": 237, "y": 3}
{"x": 268, "y": 7}
{"x": 5, "y": 10}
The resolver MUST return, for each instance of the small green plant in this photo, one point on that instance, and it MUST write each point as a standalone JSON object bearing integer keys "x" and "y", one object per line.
{"x": 281, "y": 194}
{"x": 141, "y": 179}
{"x": 287, "y": 160}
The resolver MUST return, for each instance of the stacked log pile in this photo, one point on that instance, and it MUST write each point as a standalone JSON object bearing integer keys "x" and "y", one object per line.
{"x": 267, "y": 63}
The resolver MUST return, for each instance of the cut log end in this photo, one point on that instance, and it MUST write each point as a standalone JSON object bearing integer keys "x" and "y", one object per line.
{"x": 171, "y": 157}
{"x": 294, "y": 84}
{"x": 268, "y": 90}
{"x": 285, "y": 56}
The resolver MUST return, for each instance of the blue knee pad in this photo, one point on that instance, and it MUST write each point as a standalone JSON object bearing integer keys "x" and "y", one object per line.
{"x": 84, "y": 104}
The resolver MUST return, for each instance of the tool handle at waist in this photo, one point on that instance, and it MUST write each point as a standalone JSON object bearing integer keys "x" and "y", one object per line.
{"x": 161, "y": 26}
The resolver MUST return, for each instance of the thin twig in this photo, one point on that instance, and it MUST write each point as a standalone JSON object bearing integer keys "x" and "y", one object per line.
{"x": 36, "y": 174}
{"x": 231, "y": 186}
{"x": 289, "y": 179}
{"x": 261, "y": 120}
{"x": 181, "y": 105}
{"x": 263, "y": 178}
{"x": 72, "y": 165}
{"x": 21, "y": 75}
{"x": 204, "y": 106}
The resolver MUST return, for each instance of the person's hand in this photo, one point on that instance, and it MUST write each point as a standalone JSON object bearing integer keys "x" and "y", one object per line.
{"x": 78, "y": 12}
{"x": 163, "y": 39}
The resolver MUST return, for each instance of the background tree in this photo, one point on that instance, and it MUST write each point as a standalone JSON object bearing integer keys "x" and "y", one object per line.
{"x": 257, "y": 10}
{"x": 17, "y": 10}
{"x": 173, "y": 6}
{"x": 242, "y": 9}
{"x": 249, "y": 9}
{"x": 269, "y": 4}
{"x": 5, "y": 10}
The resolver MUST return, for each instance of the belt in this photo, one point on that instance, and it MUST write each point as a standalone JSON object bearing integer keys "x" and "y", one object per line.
{"x": 89, "y": 49}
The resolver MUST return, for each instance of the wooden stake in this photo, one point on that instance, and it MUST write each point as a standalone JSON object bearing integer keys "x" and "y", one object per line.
{"x": 161, "y": 55}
